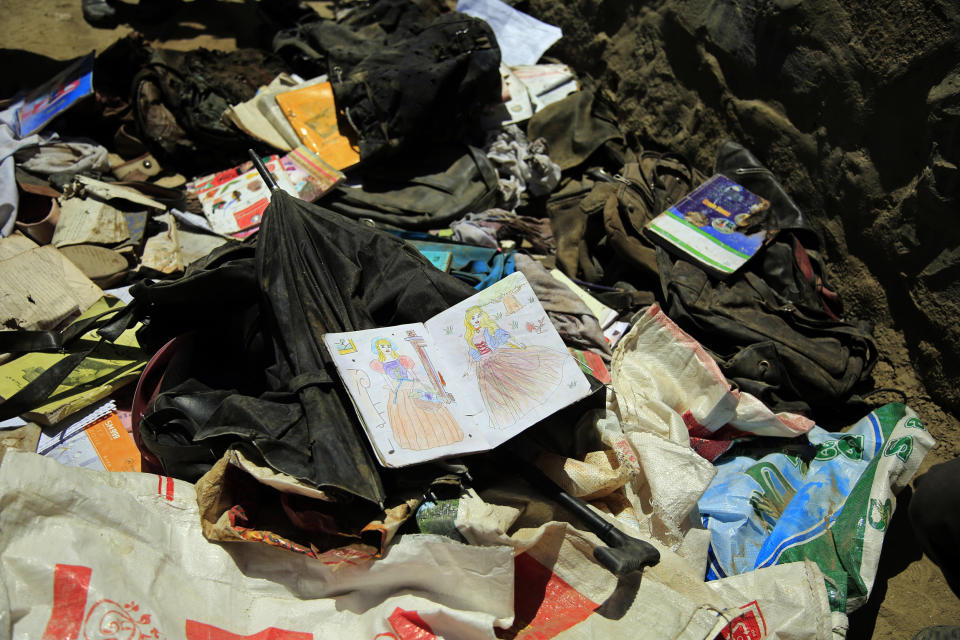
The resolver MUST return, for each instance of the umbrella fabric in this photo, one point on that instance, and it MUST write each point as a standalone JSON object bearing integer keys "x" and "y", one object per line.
{"x": 259, "y": 373}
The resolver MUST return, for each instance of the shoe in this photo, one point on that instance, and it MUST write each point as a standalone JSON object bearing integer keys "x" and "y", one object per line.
{"x": 99, "y": 13}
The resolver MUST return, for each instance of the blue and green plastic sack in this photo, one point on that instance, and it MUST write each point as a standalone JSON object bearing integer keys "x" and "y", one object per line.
{"x": 830, "y": 502}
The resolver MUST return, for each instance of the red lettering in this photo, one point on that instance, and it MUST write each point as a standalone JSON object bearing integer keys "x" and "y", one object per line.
{"x": 70, "y": 586}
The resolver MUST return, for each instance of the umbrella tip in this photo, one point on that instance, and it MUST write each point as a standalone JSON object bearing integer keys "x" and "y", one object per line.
{"x": 262, "y": 170}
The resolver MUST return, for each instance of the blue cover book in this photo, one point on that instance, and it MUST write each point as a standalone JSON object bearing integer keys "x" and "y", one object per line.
{"x": 713, "y": 226}
{"x": 55, "y": 96}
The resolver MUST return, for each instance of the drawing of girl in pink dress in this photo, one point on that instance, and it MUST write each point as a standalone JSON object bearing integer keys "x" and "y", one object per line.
{"x": 417, "y": 415}
{"x": 513, "y": 378}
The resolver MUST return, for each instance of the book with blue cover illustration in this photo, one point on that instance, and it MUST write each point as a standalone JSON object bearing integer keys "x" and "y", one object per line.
{"x": 714, "y": 226}
{"x": 55, "y": 96}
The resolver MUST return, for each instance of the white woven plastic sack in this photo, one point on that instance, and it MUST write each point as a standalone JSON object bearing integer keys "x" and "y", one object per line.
{"x": 90, "y": 554}
{"x": 99, "y": 555}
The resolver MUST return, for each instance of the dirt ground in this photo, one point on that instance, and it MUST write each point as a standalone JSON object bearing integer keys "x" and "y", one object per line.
{"x": 910, "y": 592}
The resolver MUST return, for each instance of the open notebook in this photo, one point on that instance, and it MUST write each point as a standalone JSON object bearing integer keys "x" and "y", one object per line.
{"x": 464, "y": 381}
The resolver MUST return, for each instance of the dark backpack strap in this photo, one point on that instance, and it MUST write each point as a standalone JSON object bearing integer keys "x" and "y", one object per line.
{"x": 109, "y": 325}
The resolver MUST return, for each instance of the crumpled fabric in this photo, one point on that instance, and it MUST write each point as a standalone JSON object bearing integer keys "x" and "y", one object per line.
{"x": 9, "y": 143}
{"x": 488, "y": 228}
{"x": 522, "y": 165}
{"x": 573, "y": 320}
{"x": 55, "y": 156}
{"x": 674, "y": 412}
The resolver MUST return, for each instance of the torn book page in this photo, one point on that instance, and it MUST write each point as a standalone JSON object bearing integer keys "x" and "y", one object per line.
{"x": 41, "y": 288}
{"x": 89, "y": 221}
{"x": 523, "y": 39}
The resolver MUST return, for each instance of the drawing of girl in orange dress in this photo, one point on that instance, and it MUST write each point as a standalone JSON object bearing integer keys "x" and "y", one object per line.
{"x": 513, "y": 378}
{"x": 417, "y": 415}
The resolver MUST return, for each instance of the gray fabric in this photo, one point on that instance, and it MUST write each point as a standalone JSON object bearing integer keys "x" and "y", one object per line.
{"x": 9, "y": 198}
{"x": 488, "y": 228}
{"x": 571, "y": 317}
{"x": 522, "y": 165}
{"x": 72, "y": 156}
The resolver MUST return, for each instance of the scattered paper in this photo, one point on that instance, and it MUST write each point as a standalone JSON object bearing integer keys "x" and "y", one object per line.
{"x": 522, "y": 38}
{"x": 56, "y": 434}
{"x": 107, "y": 191}
{"x": 249, "y": 118}
{"x": 194, "y": 246}
{"x": 516, "y": 106}
{"x": 88, "y": 221}
{"x": 121, "y": 293}
{"x": 309, "y": 174}
{"x": 103, "y": 445}
{"x": 615, "y": 331}
{"x": 40, "y": 288}
{"x": 273, "y": 112}
{"x": 162, "y": 251}
{"x": 15, "y": 244}
{"x": 528, "y": 88}
{"x": 546, "y": 83}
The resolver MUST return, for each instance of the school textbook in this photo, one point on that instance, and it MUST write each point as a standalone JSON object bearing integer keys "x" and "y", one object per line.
{"x": 464, "y": 381}
{"x": 712, "y": 226}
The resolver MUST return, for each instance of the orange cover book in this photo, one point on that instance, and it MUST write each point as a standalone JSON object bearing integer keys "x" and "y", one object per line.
{"x": 313, "y": 115}
{"x": 114, "y": 446}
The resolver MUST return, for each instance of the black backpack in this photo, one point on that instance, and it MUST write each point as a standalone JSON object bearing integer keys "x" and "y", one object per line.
{"x": 775, "y": 327}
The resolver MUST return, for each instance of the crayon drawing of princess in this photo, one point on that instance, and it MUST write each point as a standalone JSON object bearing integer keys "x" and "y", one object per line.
{"x": 417, "y": 415}
{"x": 513, "y": 378}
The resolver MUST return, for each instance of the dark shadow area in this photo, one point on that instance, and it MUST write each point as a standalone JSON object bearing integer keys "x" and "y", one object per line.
{"x": 23, "y": 70}
{"x": 620, "y": 601}
{"x": 900, "y": 549}
{"x": 185, "y": 20}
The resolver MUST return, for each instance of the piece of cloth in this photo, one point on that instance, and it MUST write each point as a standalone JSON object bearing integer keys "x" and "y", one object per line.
{"x": 9, "y": 144}
{"x": 522, "y": 165}
{"x": 667, "y": 391}
{"x": 573, "y": 320}
{"x": 63, "y": 156}
{"x": 830, "y": 501}
{"x": 488, "y": 228}
{"x": 935, "y": 516}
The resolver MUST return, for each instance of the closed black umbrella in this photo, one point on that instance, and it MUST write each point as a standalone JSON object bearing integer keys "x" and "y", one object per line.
{"x": 315, "y": 272}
